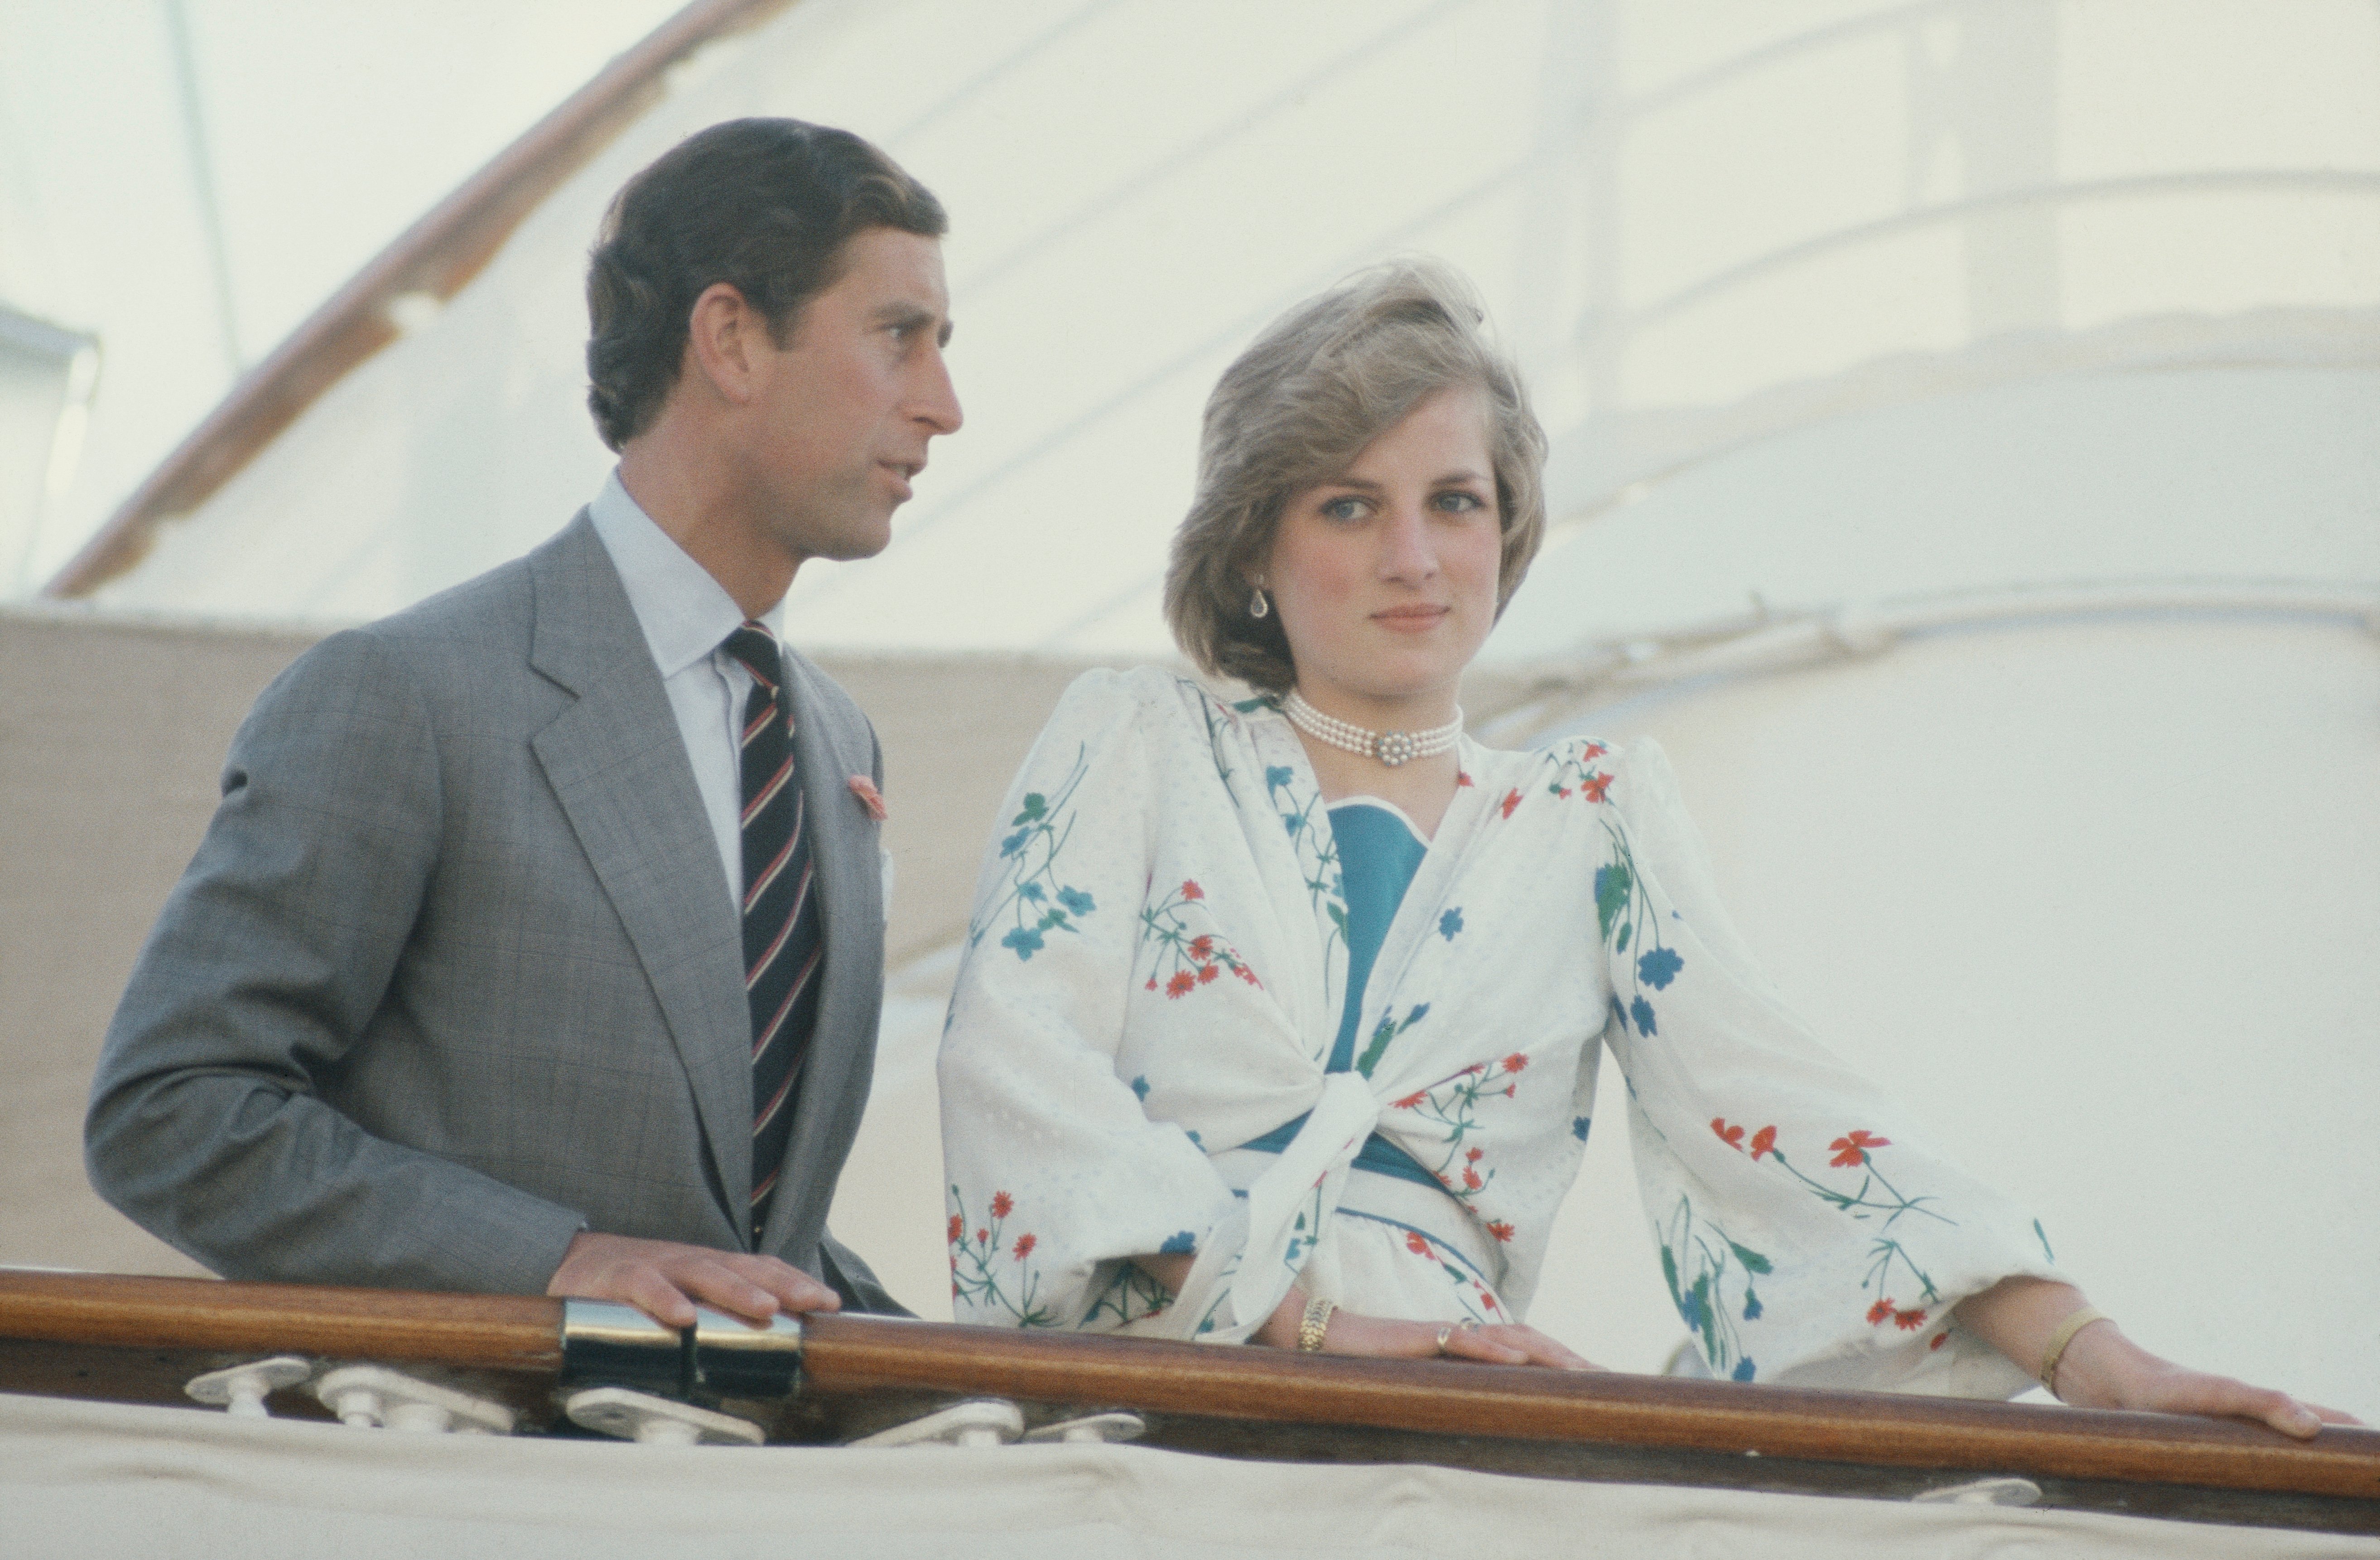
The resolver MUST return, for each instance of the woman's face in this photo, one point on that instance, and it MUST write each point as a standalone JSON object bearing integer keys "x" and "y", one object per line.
{"x": 1385, "y": 577}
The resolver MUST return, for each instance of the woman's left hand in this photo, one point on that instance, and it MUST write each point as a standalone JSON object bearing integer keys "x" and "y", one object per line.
{"x": 2103, "y": 1369}
{"x": 2100, "y": 1368}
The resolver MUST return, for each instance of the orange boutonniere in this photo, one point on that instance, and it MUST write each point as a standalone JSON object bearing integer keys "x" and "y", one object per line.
{"x": 869, "y": 797}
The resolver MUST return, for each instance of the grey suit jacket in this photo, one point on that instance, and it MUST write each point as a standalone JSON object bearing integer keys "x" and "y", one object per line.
{"x": 456, "y": 973}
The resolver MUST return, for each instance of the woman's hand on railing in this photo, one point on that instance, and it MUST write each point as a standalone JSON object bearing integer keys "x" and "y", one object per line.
{"x": 1380, "y": 1337}
{"x": 2030, "y": 1320}
{"x": 2103, "y": 1369}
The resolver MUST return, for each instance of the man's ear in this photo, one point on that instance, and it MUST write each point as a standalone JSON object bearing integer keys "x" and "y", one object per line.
{"x": 722, "y": 336}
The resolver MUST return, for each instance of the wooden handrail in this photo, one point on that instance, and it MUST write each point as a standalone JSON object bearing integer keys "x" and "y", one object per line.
{"x": 847, "y": 1357}
{"x": 435, "y": 256}
{"x": 858, "y": 1354}
{"x": 478, "y": 1332}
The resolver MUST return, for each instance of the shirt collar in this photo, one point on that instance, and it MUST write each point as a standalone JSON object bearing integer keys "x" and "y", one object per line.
{"x": 684, "y": 611}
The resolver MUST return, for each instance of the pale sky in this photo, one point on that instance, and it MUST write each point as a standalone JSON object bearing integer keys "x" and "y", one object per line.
{"x": 332, "y": 125}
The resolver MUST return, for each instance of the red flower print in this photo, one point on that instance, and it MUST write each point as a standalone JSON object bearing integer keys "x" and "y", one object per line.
{"x": 1597, "y": 783}
{"x": 1487, "y": 1299}
{"x": 1206, "y": 973}
{"x": 1731, "y": 1136}
{"x": 1908, "y": 1321}
{"x": 1245, "y": 973}
{"x": 1516, "y": 1061}
{"x": 1182, "y": 982}
{"x": 1563, "y": 793}
{"x": 1202, "y": 947}
{"x": 958, "y": 1228}
{"x": 1415, "y": 1244}
{"x": 1592, "y": 750}
{"x": 1763, "y": 1141}
{"x": 1500, "y": 1229}
{"x": 1476, "y": 1155}
{"x": 1412, "y": 1102}
{"x": 1471, "y": 1179}
{"x": 1852, "y": 1150}
{"x": 1023, "y": 1247}
{"x": 1002, "y": 1203}
{"x": 1462, "y": 778}
{"x": 1511, "y": 800}
{"x": 983, "y": 1237}
{"x": 1190, "y": 890}
{"x": 1939, "y": 1339}
{"x": 1152, "y": 983}
{"x": 1879, "y": 1311}
{"x": 1510, "y": 1089}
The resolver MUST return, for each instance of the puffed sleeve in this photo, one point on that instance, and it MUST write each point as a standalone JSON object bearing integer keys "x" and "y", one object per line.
{"x": 1807, "y": 1233}
{"x": 1055, "y": 1171}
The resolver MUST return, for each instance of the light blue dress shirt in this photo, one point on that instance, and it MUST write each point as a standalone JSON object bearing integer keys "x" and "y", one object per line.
{"x": 685, "y": 614}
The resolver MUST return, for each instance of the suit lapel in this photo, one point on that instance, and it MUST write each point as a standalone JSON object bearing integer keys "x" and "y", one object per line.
{"x": 835, "y": 1071}
{"x": 618, "y": 766}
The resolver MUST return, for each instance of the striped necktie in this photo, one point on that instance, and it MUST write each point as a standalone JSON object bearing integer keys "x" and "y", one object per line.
{"x": 783, "y": 934}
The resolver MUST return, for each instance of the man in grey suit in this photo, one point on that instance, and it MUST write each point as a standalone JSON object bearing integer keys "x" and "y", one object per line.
{"x": 504, "y": 966}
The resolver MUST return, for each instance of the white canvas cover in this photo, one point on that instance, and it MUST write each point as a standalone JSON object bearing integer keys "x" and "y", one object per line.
{"x": 80, "y": 1480}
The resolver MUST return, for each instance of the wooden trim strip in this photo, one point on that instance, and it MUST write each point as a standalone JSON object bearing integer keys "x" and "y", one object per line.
{"x": 437, "y": 256}
{"x": 847, "y": 1357}
{"x": 862, "y": 1354}
{"x": 482, "y": 1332}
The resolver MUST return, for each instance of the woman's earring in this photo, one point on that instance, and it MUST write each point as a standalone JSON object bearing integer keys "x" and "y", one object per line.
{"x": 1257, "y": 605}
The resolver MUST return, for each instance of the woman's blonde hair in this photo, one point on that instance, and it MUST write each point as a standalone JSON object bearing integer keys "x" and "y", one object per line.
{"x": 1297, "y": 408}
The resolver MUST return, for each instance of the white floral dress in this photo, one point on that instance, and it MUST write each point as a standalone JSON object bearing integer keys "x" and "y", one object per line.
{"x": 1154, "y": 977}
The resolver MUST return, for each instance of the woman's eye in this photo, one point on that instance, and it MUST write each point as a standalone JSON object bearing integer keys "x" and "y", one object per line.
{"x": 1344, "y": 510}
{"x": 1457, "y": 502}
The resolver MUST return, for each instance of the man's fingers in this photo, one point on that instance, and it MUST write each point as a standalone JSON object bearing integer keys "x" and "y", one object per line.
{"x": 644, "y": 1288}
{"x": 794, "y": 1290}
{"x": 717, "y": 1283}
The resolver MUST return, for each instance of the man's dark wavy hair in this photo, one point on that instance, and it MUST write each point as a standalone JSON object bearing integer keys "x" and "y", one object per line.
{"x": 764, "y": 205}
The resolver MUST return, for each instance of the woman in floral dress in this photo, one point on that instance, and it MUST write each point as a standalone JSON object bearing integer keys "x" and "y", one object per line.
{"x": 1282, "y": 1004}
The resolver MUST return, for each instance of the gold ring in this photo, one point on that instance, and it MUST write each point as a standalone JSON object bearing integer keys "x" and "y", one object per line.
{"x": 1443, "y": 1334}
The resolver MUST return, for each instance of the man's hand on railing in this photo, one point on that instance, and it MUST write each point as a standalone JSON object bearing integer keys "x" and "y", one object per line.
{"x": 664, "y": 1280}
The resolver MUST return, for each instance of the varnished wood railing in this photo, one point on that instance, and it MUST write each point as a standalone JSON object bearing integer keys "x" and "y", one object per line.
{"x": 47, "y": 1320}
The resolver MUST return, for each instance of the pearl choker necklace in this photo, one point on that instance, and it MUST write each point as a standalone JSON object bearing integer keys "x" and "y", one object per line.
{"x": 1391, "y": 748}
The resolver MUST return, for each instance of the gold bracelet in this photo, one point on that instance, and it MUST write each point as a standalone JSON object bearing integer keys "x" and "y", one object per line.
{"x": 2061, "y": 1338}
{"x": 1316, "y": 1322}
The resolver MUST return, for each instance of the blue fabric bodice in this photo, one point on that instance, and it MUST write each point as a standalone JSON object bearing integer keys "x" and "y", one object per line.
{"x": 1379, "y": 854}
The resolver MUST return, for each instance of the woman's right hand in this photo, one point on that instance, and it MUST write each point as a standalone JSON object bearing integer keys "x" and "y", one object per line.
{"x": 1510, "y": 1344}
{"x": 1380, "y": 1337}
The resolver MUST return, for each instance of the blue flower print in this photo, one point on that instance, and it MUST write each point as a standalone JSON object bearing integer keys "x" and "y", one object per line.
{"x": 1040, "y": 829}
{"x": 1140, "y": 1087}
{"x": 1742, "y": 1371}
{"x": 1178, "y": 1245}
{"x": 1450, "y": 923}
{"x": 1278, "y": 775}
{"x": 1659, "y": 967}
{"x": 1578, "y": 1128}
{"x": 1751, "y": 1306}
{"x": 1641, "y": 1011}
